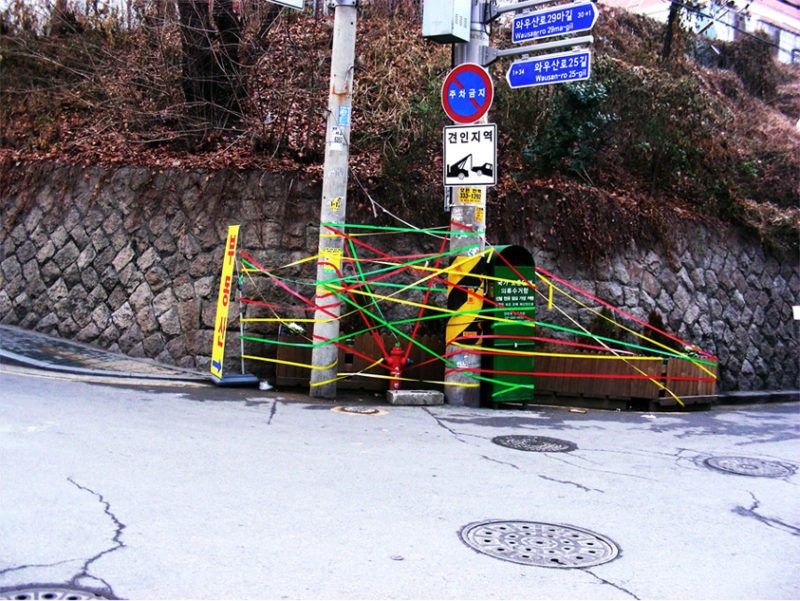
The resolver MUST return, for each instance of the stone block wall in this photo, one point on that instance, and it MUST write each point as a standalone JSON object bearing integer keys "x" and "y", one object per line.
{"x": 129, "y": 259}
{"x": 718, "y": 289}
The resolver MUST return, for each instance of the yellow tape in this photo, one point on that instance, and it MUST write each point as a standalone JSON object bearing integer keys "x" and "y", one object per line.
{"x": 292, "y": 363}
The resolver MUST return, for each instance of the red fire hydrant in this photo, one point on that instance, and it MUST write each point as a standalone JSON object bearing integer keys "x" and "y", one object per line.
{"x": 395, "y": 362}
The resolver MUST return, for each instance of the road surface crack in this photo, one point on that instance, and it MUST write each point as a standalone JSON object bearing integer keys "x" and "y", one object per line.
{"x": 516, "y": 467}
{"x": 116, "y": 540}
{"x": 609, "y": 583}
{"x": 34, "y": 566}
{"x": 771, "y": 522}
{"x": 581, "y": 486}
{"x": 455, "y": 434}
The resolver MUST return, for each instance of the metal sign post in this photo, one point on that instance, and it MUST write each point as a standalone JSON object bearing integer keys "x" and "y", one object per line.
{"x": 467, "y": 239}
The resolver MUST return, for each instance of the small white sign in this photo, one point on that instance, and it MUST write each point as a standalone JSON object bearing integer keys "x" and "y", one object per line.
{"x": 298, "y": 4}
{"x": 470, "y": 155}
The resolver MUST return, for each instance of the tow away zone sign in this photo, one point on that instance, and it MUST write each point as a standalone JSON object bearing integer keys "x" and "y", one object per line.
{"x": 470, "y": 155}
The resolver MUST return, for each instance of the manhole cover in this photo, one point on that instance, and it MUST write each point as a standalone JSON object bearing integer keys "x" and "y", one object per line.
{"x": 535, "y": 443}
{"x": 360, "y": 410}
{"x": 539, "y": 544}
{"x": 750, "y": 466}
{"x": 48, "y": 592}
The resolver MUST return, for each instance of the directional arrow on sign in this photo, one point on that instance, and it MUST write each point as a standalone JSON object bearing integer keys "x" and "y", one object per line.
{"x": 559, "y": 20}
{"x": 562, "y": 67}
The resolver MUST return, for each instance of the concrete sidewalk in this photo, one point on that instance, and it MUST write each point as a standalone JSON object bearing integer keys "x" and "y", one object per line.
{"x": 41, "y": 351}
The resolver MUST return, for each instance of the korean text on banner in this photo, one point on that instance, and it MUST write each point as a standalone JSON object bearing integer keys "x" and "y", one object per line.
{"x": 223, "y": 302}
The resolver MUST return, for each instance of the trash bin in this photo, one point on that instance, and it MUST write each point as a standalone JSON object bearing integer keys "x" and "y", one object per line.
{"x": 508, "y": 327}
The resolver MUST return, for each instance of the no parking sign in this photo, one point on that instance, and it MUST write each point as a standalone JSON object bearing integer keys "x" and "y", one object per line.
{"x": 467, "y": 93}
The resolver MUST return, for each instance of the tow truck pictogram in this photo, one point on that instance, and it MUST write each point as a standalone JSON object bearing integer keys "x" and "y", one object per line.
{"x": 458, "y": 171}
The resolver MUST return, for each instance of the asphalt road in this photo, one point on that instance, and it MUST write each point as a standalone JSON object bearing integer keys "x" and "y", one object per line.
{"x": 141, "y": 489}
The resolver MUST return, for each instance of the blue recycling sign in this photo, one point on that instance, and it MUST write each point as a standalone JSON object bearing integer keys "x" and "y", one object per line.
{"x": 559, "y": 20}
{"x": 563, "y": 67}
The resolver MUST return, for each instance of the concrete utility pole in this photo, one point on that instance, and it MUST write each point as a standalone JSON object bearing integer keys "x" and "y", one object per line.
{"x": 461, "y": 388}
{"x": 334, "y": 198}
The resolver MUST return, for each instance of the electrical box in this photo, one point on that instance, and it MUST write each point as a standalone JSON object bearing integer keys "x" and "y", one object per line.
{"x": 446, "y": 21}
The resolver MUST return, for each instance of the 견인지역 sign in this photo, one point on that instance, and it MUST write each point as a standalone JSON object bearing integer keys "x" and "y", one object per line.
{"x": 545, "y": 69}
{"x": 470, "y": 155}
{"x": 467, "y": 93}
{"x": 559, "y": 20}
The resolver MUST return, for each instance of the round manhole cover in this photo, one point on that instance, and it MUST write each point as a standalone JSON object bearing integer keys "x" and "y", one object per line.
{"x": 359, "y": 410}
{"x": 48, "y": 592}
{"x": 539, "y": 544}
{"x": 750, "y": 466}
{"x": 542, "y": 444}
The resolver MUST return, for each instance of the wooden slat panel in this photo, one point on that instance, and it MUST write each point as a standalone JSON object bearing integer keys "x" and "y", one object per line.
{"x": 687, "y": 369}
{"x": 291, "y": 375}
{"x": 623, "y": 386}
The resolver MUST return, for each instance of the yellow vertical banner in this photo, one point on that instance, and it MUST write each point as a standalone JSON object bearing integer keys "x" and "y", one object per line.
{"x": 223, "y": 302}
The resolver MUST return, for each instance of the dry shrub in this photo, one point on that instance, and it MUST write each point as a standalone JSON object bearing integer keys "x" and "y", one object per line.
{"x": 751, "y": 59}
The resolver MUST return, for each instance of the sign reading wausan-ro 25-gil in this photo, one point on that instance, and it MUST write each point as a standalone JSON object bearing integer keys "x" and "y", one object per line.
{"x": 562, "y": 67}
{"x": 470, "y": 155}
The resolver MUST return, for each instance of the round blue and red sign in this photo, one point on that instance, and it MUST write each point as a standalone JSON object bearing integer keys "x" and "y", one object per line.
{"x": 467, "y": 93}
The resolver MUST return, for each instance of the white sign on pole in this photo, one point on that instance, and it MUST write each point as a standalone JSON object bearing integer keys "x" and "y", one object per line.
{"x": 470, "y": 155}
{"x": 298, "y": 4}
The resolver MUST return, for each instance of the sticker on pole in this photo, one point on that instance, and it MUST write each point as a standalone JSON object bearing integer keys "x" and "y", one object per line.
{"x": 467, "y": 93}
{"x": 470, "y": 155}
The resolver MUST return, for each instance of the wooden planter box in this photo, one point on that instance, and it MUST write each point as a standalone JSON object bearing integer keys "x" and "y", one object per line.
{"x": 634, "y": 378}
{"x": 605, "y": 377}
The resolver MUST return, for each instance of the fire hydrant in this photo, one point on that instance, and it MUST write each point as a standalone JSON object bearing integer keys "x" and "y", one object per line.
{"x": 395, "y": 362}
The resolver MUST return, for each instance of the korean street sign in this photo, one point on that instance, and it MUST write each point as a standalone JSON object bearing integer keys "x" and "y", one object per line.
{"x": 562, "y": 67}
{"x": 558, "y": 20}
{"x": 470, "y": 155}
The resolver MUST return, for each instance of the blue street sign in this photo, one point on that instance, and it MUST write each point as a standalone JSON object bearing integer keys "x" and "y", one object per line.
{"x": 563, "y": 67}
{"x": 567, "y": 18}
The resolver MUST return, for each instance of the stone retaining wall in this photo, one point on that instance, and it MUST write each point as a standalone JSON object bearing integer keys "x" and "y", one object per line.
{"x": 128, "y": 259}
{"x": 718, "y": 289}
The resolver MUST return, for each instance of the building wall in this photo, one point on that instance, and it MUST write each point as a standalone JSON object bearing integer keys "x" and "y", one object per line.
{"x": 723, "y": 22}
